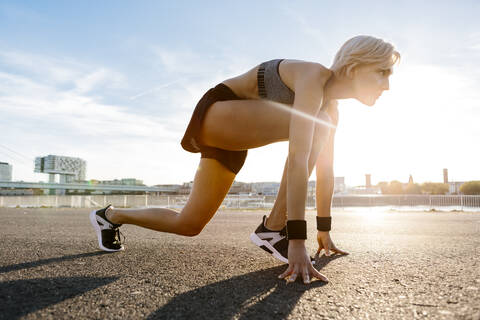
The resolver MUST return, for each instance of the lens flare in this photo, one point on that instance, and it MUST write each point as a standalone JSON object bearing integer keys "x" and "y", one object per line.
{"x": 303, "y": 115}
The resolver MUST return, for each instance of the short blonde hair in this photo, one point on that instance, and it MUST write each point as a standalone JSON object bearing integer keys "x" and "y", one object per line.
{"x": 362, "y": 50}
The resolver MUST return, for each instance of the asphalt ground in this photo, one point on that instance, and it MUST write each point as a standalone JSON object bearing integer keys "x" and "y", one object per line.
{"x": 402, "y": 265}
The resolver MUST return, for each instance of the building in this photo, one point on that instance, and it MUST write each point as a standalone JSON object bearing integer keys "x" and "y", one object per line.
{"x": 265, "y": 188}
{"x": 368, "y": 181}
{"x": 240, "y": 188}
{"x": 70, "y": 169}
{"x": 368, "y": 188}
{"x": 260, "y": 188}
{"x": 173, "y": 188}
{"x": 311, "y": 189}
{"x": 5, "y": 171}
{"x": 363, "y": 190}
{"x": 454, "y": 187}
{"x": 185, "y": 188}
{"x": 115, "y": 182}
{"x": 123, "y": 182}
{"x": 410, "y": 180}
{"x": 339, "y": 185}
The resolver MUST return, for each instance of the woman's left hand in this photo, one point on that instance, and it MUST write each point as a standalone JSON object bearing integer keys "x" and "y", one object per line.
{"x": 326, "y": 243}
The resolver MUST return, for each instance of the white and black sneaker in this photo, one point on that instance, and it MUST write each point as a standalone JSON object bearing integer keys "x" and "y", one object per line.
{"x": 273, "y": 242}
{"x": 108, "y": 233}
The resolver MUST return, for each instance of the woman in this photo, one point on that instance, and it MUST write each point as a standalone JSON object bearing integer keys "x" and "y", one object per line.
{"x": 278, "y": 100}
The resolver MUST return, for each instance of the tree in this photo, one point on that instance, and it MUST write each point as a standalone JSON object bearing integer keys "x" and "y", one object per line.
{"x": 434, "y": 188}
{"x": 394, "y": 187}
{"x": 383, "y": 187}
{"x": 413, "y": 188}
{"x": 470, "y": 187}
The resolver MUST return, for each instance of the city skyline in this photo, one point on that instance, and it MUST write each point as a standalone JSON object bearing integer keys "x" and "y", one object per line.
{"x": 367, "y": 177}
{"x": 116, "y": 85}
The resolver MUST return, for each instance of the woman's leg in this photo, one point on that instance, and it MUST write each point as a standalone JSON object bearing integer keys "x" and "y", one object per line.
{"x": 230, "y": 125}
{"x": 244, "y": 124}
{"x": 210, "y": 186}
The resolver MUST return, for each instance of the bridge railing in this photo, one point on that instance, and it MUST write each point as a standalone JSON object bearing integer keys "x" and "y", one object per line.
{"x": 467, "y": 201}
{"x": 452, "y": 202}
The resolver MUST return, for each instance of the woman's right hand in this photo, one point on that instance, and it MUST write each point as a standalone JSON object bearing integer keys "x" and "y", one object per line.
{"x": 299, "y": 263}
{"x": 326, "y": 243}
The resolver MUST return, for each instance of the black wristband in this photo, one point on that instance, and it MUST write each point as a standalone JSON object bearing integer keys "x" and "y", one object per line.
{"x": 296, "y": 229}
{"x": 324, "y": 223}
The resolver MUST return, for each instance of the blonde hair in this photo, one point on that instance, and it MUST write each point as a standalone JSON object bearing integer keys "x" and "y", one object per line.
{"x": 362, "y": 50}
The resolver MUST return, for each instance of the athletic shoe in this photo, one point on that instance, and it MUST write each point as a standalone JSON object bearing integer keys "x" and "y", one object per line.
{"x": 273, "y": 242}
{"x": 108, "y": 233}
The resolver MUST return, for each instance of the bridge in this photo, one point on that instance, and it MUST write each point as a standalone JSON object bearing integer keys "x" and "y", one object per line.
{"x": 84, "y": 186}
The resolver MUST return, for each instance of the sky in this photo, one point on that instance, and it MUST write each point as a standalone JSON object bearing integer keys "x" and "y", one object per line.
{"x": 115, "y": 83}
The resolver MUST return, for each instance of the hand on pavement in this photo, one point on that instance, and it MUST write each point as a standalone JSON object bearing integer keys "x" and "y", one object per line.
{"x": 299, "y": 263}
{"x": 326, "y": 243}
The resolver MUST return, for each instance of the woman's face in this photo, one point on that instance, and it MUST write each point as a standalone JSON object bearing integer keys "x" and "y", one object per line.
{"x": 369, "y": 82}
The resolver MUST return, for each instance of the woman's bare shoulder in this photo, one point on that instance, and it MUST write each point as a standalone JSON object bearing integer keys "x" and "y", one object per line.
{"x": 306, "y": 69}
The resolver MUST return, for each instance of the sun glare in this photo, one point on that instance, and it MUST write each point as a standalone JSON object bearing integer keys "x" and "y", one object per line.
{"x": 397, "y": 136}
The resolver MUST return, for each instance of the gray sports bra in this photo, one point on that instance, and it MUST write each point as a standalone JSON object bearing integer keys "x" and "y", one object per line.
{"x": 270, "y": 85}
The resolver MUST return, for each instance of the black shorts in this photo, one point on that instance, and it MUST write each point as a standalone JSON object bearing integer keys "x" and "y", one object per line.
{"x": 232, "y": 160}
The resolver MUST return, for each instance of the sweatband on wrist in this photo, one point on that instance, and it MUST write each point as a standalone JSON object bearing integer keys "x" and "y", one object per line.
{"x": 296, "y": 229}
{"x": 324, "y": 223}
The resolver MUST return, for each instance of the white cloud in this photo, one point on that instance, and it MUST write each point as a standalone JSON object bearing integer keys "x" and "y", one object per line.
{"x": 58, "y": 71}
{"x": 40, "y": 118}
{"x": 115, "y": 140}
{"x": 100, "y": 77}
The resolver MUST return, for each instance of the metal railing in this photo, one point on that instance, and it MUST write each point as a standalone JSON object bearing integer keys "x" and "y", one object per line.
{"x": 430, "y": 201}
{"x": 449, "y": 202}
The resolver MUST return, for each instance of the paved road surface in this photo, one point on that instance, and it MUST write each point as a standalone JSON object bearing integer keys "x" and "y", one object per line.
{"x": 403, "y": 265}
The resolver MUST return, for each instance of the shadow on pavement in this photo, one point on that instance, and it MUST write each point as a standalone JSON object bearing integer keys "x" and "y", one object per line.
{"x": 42, "y": 262}
{"x": 250, "y": 296}
{"x": 323, "y": 260}
{"x": 21, "y": 297}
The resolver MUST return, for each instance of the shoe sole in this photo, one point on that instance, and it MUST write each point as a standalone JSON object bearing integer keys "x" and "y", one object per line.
{"x": 98, "y": 231}
{"x": 263, "y": 243}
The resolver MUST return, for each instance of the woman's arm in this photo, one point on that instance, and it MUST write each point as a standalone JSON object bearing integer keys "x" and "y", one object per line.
{"x": 308, "y": 100}
{"x": 325, "y": 185}
{"x": 308, "y": 87}
{"x": 324, "y": 169}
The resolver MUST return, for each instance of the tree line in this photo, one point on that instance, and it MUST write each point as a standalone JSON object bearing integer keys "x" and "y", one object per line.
{"x": 396, "y": 187}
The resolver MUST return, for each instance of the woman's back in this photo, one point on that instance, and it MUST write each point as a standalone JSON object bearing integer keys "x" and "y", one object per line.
{"x": 278, "y": 78}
